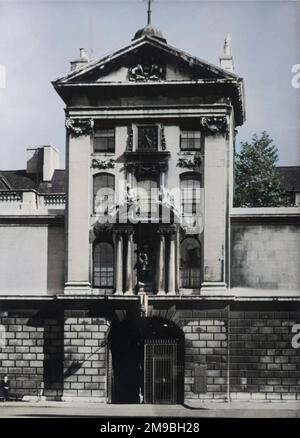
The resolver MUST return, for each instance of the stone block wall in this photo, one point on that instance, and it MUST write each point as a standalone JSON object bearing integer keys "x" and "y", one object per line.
{"x": 246, "y": 354}
{"x": 32, "y": 259}
{"x": 31, "y": 353}
{"x": 246, "y": 351}
{"x": 85, "y": 356}
{"x": 253, "y": 244}
{"x": 205, "y": 347}
{"x": 263, "y": 363}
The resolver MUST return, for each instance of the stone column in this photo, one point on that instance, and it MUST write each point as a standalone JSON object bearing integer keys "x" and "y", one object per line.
{"x": 119, "y": 265}
{"x": 172, "y": 265}
{"x": 129, "y": 264}
{"x": 161, "y": 265}
{"x": 163, "y": 179}
{"x": 129, "y": 178}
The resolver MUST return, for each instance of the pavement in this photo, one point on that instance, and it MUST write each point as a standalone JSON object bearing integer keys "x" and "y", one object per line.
{"x": 50, "y": 409}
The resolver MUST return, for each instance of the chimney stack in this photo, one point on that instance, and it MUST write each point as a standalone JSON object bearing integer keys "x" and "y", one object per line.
{"x": 42, "y": 161}
{"x": 81, "y": 61}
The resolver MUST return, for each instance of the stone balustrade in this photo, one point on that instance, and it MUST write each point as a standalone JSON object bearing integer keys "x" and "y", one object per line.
{"x": 30, "y": 202}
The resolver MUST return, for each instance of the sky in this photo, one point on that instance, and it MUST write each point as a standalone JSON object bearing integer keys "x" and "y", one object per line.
{"x": 38, "y": 39}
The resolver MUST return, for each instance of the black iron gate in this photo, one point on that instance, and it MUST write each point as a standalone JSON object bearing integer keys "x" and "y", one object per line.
{"x": 161, "y": 371}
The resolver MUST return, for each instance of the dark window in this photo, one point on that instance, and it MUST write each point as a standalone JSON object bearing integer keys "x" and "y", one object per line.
{"x": 104, "y": 192}
{"x": 104, "y": 140}
{"x": 190, "y": 263}
{"x": 147, "y": 137}
{"x": 190, "y": 196}
{"x": 103, "y": 265}
{"x": 190, "y": 140}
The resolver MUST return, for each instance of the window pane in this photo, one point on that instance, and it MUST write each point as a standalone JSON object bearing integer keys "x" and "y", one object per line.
{"x": 190, "y": 196}
{"x": 148, "y": 196}
{"x": 190, "y": 140}
{"x": 104, "y": 195}
{"x": 147, "y": 137}
{"x": 103, "y": 266}
{"x": 104, "y": 140}
{"x": 190, "y": 263}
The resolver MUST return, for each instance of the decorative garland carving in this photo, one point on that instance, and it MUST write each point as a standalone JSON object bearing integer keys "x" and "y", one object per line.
{"x": 190, "y": 161}
{"x": 151, "y": 72}
{"x": 129, "y": 139}
{"x": 140, "y": 169}
{"x": 103, "y": 164}
{"x": 214, "y": 125}
{"x": 163, "y": 139}
{"x": 79, "y": 127}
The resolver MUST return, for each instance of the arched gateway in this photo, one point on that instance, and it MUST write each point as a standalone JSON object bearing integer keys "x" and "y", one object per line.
{"x": 146, "y": 359}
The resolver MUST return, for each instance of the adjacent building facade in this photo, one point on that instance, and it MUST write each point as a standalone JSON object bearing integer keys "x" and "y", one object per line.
{"x": 130, "y": 276}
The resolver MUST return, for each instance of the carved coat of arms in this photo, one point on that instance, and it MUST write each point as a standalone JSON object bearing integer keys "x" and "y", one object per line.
{"x": 151, "y": 72}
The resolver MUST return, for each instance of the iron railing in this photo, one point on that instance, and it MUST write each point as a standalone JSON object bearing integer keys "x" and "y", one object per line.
{"x": 160, "y": 371}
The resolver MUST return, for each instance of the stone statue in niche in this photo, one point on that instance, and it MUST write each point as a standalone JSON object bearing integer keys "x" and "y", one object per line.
{"x": 143, "y": 264}
{"x": 130, "y": 195}
{"x": 151, "y": 72}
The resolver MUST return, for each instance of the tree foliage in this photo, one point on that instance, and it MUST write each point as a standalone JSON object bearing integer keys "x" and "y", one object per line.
{"x": 257, "y": 181}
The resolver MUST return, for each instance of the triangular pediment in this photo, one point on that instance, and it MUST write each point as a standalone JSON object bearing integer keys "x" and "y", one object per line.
{"x": 146, "y": 59}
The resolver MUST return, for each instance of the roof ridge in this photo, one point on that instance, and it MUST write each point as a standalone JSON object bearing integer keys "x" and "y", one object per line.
{"x": 5, "y": 182}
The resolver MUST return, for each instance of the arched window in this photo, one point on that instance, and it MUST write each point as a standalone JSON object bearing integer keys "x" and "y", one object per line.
{"x": 148, "y": 196}
{"x": 190, "y": 263}
{"x": 103, "y": 265}
{"x": 104, "y": 192}
{"x": 190, "y": 194}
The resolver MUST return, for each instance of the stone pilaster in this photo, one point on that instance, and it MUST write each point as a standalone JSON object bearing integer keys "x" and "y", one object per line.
{"x": 78, "y": 208}
{"x": 216, "y": 209}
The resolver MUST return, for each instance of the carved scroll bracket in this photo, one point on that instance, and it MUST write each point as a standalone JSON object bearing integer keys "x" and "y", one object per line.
{"x": 78, "y": 127}
{"x": 214, "y": 125}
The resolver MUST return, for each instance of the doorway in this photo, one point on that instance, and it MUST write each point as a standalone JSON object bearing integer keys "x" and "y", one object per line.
{"x": 160, "y": 371}
{"x": 146, "y": 362}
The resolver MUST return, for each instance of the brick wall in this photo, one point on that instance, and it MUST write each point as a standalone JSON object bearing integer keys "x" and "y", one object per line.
{"x": 84, "y": 356}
